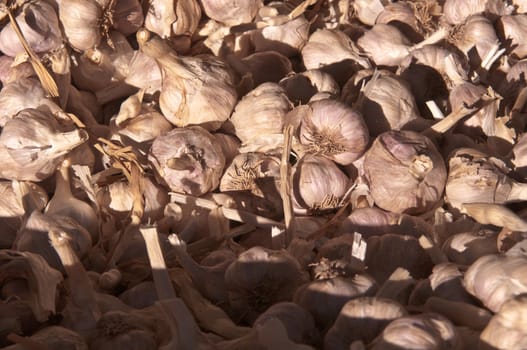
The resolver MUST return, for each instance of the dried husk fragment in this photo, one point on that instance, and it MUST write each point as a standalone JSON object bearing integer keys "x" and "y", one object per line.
{"x": 33, "y": 143}
{"x": 231, "y": 12}
{"x": 494, "y": 279}
{"x": 300, "y": 87}
{"x": 465, "y": 248}
{"x": 513, "y": 28}
{"x": 417, "y": 174}
{"x": 196, "y": 90}
{"x": 189, "y": 160}
{"x": 457, "y": 11}
{"x": 38, "y": 23}
{"x": 172, "y": 19}
{"x": 331, "y": 129}
{"x": 402, "y": 15}
{"x": 363, "y": 318}
{"x": 367, "y": 11}
{"x": 52, "y": 337}
{"x": 260, "y": 278}
{"x": 27, "y": 276}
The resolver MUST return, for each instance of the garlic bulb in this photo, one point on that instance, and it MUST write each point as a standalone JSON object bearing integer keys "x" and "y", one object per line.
{"x": 300, "y": 87}
{"x": 195, "y": 90}
{"x": 188, "y": 160}
{"x": 127, "y": 16}
{"x": 494, "y": 279}
{"x": 506, "y": 329}
{"x": 325, "y": 298}
{"x": 318, "y": 184}
{"x": 520, "y": 160}
{"x": 457, "y": 11}
{"x": 362, "y": 319}
{"x": 476, "y": 32}
{"x": 53, "y": 337}
{"x": 385, "y": 44}
{"x": 417, "y": 172}
{"x": 80, "y": 20}
{"x": 402, "y": 16}
{"x": 33, "y": 143}
{"x": 144, "y": 73}
{"x": 259, "y": 114}
{"x": 260, "y": 278}
{"x": 38, "y": 23}
{"x": 231, "y": 12}
{"x": 331, "y": 129}
{"x": 334, "y": 52}
{"x": 170, "y": 18}
{"x": 425, "y": 331}
{"x": 465, "y": 248}
{"x": 368, "y": 10}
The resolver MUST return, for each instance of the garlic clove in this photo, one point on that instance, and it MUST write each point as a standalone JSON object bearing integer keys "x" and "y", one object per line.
{"x": 417, "y": 172}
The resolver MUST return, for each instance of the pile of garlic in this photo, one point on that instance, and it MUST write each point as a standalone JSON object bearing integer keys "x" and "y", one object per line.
{"x": 218, "y": 174}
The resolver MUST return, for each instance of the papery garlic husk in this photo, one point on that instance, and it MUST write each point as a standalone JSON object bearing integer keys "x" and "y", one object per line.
{"x": 189, "y": 160}
{"x": 231, "y": 12}
{"x": 480, "y": 178}
{"x": 15, "y": 199}
{"x": 384, "y": 254}
{"x": 494, "y": 279}
{"x": 402, "y": 16}
{"x": 426, "y": 331}
{"x": 388, "y": 104}
{"x": 457, "y": 11}
{"x": 53, "y": 337}
{"x": 33, "y": 236}
{"x": 196, "y": 90}
{"x": 300, "y": 87}
{"x": 39, "y": 25}
{"x": 513, "y": 28}
{"x": 368, "y": 10}
{"x": 318, "y": 184}
{"x": 126, "y": 16}
{"x": 299, "y": 323}
{"x": 11, "y": 71}
{"x": 465, "y": 248}
{"x": 260, "y": 113}
{"x": 446, "y": 282}
{"x": 140, "y": 296}
{"x": 229, "y": 144}
{"x": 33, "y": 143}
{"x": 256, "y": 173}
{"x": 325, "y": 298}
{"x": 506, "y": 329}
{"x": 30, "y": 279}
{"x": 23, "y": 93}
{"x": 334, "y": 130}
{"x": 334, "y": 52}
{"x": 385, "y": 44}
{"x": 80, "y": 20}
{"x": 144, "y": 73}
{"x": 286, "y": 38}
{"x": 362, "y": 319}
{"x": 170, "y": 18}
{"x": 520, "y": 156}
{"x": 417, "y": 173}
{"x": 260, "y": 278}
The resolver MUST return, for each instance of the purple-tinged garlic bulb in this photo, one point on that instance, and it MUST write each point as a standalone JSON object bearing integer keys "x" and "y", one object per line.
{"x": 33, "y": 143}
{"x": 260, "y": 115}
{"x": 514, "y": 30}
{"x": 388, "y": 104}
{"x": 27, "y": 276}
{"x": 173, "y": 19}
{"x": 325, "y": 298}
{"x": 475, "y": 177}
{"x": 188, "y": 160}
{"x": 476, "y": 32}
{"x": 362, "y": 319}
{"x": 426, "y": 331}
{"x": 318, "y": 184}
{"x": 332, "y": 129}
{"x": 231, "y": 12}
{"x": 196, "y": 90}
{"x": 507, "y": 328}
{"x": 260, "y": 278}
{"x": 39, "y": 25}
{"x": 333, "y": 52}
{"x": 457, "y": 11}
{"x": 417, "y": 175}
{"x": 300, "y": 87}
{"x": 257, "y": 174}
{"x": 494, "y": 279}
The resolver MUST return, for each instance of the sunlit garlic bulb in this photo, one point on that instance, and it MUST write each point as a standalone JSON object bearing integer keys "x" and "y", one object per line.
{"x": 170, "y": 18}
{"x": 334, "y": 130}
{"x": 457, "y": 11}
{"x": 189, "y": 160}
{"x": 417, "y": 173}
{"x": 318, "y": 184}
{"x": 231, "y": 12}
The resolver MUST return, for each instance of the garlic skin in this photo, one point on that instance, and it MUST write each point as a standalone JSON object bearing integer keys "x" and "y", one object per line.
{"x": 513, "y": 32}
{"x": 477, "y": 31}
{"x": 33, "y": 143}
{"x": 195, "y": 90}
{"x": 39, "y": 24}
{"x": 189, "y": 160}
{"x": 367, "y": 11}
{"x": 332, "y": 129}
{"x": 465, "y": 248}
{"x": 300, "y": 87}
{"x": 457, "y": 11}
{"x": 80, "y": 20}
{"x": 318, "y": 184}
{"x": 361, "y": 319}
{"x": 417, "y": 172}
{"x": 385, "y": 44}
{"x": 231, "y": 12}
{"x": 127, "y": 16}
{"x": 170, "y": 18}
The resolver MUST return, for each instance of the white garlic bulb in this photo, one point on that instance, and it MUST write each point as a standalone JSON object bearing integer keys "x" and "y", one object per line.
{"x": 81, "y": 22}
{"x": 170, "y": 18}
{"x": 231, "y": 12}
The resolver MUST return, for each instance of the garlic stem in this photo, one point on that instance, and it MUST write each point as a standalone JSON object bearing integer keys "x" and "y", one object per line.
{"x": 438, "y": 35}
{"x": 434, "y": 109}
{"x": 518, "y": 192}
{"x": 492, "y": 56}
{"x": 462, "y": 314}
{"x": 494, "y": 214}
{"x": 82, "y": 293}
{"x": 162, "y": 281}
{"x": 449, "y": 121}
